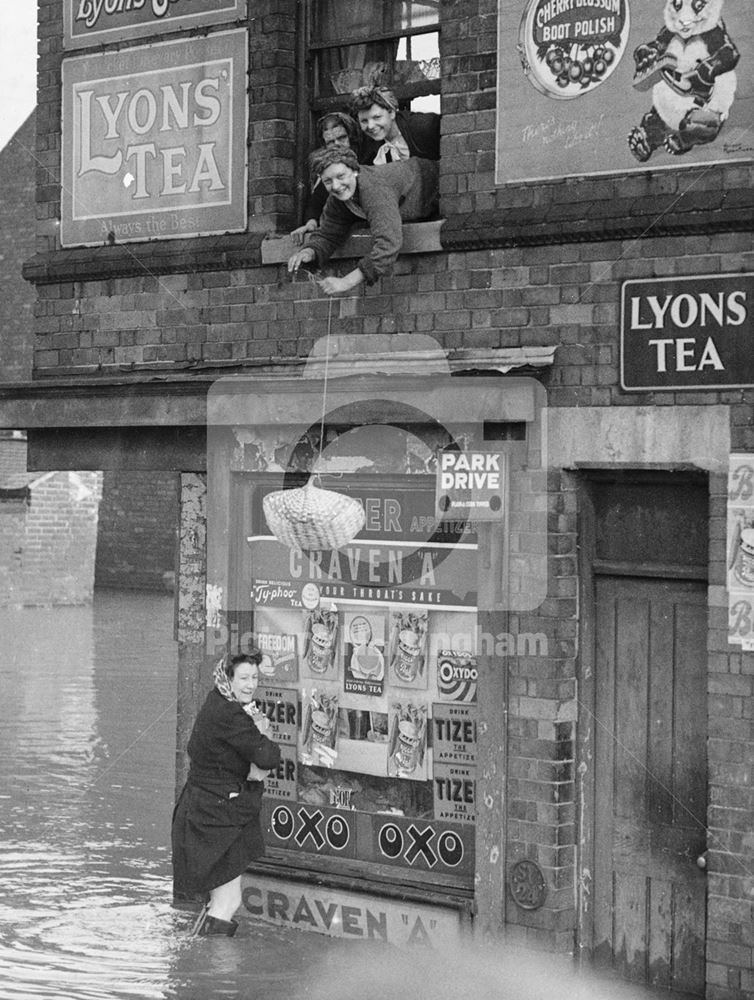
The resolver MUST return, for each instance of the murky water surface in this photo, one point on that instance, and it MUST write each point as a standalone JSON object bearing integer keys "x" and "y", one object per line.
{"x": 87, "y": 766}
{"x": 87, "y": 735}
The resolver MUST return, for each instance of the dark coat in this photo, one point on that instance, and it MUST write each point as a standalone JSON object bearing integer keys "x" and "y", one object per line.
{"x": 386, "y": 196}
{"x": 420, "y": 129}
{"x": 216, "y": 830}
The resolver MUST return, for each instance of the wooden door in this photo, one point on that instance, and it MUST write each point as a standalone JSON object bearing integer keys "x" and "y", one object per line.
{"x": 650, "y": 792}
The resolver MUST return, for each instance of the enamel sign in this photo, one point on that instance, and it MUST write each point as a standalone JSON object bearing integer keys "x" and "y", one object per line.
{"x": 92, "y": 22}
{"x": 154, "y": 141}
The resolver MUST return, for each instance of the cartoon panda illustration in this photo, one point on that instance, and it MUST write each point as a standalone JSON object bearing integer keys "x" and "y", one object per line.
{"x": 690, "y": 68}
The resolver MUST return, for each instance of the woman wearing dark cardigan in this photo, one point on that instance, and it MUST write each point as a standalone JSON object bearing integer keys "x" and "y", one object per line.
{"x": 385, "y": 197}
{"x": 390, "y": 134}
{"x": 216, "y": 829}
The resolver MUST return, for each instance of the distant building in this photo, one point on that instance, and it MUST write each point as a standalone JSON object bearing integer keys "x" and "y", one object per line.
{"x": 18, "y": 181}
{"x": 48, "y": 531}
{"x": 137, "y": 521}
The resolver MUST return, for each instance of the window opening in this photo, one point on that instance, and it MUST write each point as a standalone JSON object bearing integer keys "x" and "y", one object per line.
{"x": 392, "y": 44}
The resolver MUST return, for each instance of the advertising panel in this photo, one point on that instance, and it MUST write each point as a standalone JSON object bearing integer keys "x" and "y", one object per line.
{"x": 472, "y": 484}
{"x": 455, "y": 793}
{"x": 427, "y": 575}
{"x": 346, "y": 914}
{"x": 154, "y": 141}
{"x": 379, "y": 705}
{"x": 92, "y": 22}
{"x": 740, "y": 563}
{"x": 588, "y": 87}
{"x": 454, "y": 734}
{"x": 687, "y": 333}
{"x": 281, "y": 784}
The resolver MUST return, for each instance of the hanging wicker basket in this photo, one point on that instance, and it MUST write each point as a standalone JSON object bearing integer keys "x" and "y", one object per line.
{"x": 311, "y": 518}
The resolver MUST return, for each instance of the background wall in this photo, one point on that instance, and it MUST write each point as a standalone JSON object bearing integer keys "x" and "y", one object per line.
{"x": 138, "y": 527}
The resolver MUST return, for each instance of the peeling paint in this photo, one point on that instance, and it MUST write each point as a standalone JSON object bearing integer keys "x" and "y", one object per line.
{"x": 214, "y": 602}
{"x": 585, "y": 889}
{"x": 191, "y": 593}
{"x": 494, "y": 854}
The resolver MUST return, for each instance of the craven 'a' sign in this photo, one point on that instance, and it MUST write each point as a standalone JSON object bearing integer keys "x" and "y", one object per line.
{"x": 154, "y": 141}
{"x": 688, "y": 333}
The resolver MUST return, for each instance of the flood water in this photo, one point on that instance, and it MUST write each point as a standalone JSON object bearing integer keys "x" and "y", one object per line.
{"x": 87, "y": 765}
{"x": 87, "y": 772}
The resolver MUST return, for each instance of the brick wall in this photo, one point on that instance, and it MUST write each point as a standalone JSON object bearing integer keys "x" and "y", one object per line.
{"x": 565, "y": 295}
{"x": 17, "y": 237}
{"x": 138, "y": 523}
{"x": 12, "y": 456}
{"x": 48, "y": 540}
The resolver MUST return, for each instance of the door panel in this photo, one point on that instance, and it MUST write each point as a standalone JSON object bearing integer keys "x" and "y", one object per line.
{"x": 650, "y": 780}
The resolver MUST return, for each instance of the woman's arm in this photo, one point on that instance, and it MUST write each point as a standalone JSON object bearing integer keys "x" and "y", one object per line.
{"x": 339, "y": 286}
{"x": 314, "y": 206}
{"x": 380, "y": 203}
{"x": 242, "y": 734}
{"x": 335, "y": 225}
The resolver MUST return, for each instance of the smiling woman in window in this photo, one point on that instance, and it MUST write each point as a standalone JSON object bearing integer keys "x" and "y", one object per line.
{"x": 334, "y": 130}
{"x": 384, "y": 196}
{"x": 391, "y": 134}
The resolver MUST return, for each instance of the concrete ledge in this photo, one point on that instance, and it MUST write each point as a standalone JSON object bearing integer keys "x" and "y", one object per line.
{"x": 418, "y": 237}
{"x": 615, "y": 436}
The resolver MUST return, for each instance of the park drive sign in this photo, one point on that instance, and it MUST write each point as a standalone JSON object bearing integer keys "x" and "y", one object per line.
{"x": 687, "y": 333}
{"x": 471, "y": 484}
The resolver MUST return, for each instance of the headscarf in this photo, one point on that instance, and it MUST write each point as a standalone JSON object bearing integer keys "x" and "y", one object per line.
{"x": 222, "y": 684}
{"x": 348, "y": 122}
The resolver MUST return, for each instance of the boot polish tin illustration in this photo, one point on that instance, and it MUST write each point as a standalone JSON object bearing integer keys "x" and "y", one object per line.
{"x": 569, "y": 47}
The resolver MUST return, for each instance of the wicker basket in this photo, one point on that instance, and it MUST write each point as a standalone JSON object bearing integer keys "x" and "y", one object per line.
{"x": 312, "y": 518}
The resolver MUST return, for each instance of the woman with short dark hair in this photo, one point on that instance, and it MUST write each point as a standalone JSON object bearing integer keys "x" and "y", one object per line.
{"x": 216, "y": 830}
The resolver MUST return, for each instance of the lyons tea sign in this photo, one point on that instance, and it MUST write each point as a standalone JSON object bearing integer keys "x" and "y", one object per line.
{"x": 687, "y": 333}
{"x": 154, "y": 141}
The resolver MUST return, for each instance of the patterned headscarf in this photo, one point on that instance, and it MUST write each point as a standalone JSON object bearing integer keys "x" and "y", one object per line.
{"x": 222, "y": 684}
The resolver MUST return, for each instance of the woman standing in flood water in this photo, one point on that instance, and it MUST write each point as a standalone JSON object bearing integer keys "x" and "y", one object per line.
{"x": 216, "y": 829}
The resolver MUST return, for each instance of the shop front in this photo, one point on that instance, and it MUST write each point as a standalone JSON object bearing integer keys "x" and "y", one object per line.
{"x": 377, "y": 648}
